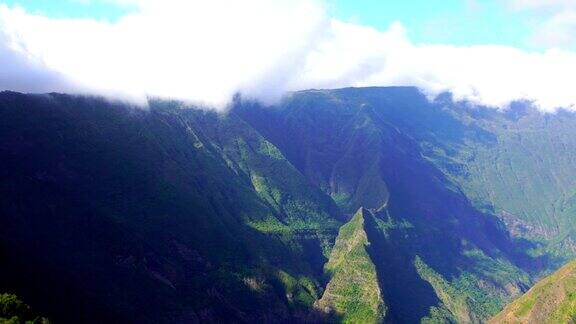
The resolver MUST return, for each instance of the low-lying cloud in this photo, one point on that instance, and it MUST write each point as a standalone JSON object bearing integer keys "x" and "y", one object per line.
{"x": 207, "y": 51}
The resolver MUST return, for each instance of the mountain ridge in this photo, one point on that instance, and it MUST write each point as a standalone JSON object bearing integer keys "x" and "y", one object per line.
{"x": 353, "y": 291}
{"x": 179, "y": 214}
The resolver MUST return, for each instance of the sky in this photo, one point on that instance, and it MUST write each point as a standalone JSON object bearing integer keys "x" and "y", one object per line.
{"x": 456, "y": 22}
{"x": 489, "y": 52}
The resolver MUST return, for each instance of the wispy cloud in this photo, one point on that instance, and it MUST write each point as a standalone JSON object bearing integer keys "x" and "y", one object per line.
{"x": 554, "y": 23}
{"x": 205, "y": 52}
{"x": 541, "y": 4}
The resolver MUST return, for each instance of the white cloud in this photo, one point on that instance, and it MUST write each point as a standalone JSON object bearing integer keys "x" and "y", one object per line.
{"x": 205, "y": 52}
{"x": 487, "y": 75}
{"x": 196, "y": 50}
{"x": 17, "y": 71}
{"x": 541, "y": 4}
{"x": 557, "y": 31}
{"x": 553, "y": 21}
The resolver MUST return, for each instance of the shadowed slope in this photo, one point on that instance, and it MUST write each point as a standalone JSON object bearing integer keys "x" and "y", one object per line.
{"x": 153, "y": 216}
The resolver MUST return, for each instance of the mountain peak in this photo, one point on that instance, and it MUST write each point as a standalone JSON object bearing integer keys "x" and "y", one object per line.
{"x": 353, "y": 291}
{"x": 360, "y": 212}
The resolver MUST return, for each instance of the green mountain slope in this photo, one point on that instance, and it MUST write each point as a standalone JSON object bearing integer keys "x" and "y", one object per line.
{"x": 165, "y": 215}
{"x": 517, "y": 164}
{"x": 353, "y": 292}
{"x": 175, "y": 214}
{"x": 527, "y": 175}
{"x": 340, "y": 139}
{"x": 551, "y": 300}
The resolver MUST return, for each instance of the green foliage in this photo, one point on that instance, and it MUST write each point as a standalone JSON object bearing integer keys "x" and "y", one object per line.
{"x": 340, "y": 198}
{"x": 439, "y": 315}
{"x": 353, "y": 291}
{"x": 551, "y": 300}
{"x": 454, "y": 305}
{"x": 301, "y": 291}
{"x": 156, "y": 215}
{"x": 179, "y": 213}
{"x": 472, "y": 296}
{"x": 14, "y": 311}
{"x": 517, "y": 164}
{"x": 405, "y": 158}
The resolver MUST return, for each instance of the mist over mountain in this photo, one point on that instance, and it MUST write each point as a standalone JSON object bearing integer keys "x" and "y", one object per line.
{"x": 206, "y": 52}
{"x": 287, "y": 161}
{"x": 348, "y": 205}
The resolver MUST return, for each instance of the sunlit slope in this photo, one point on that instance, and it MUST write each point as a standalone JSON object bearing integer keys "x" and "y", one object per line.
{"x": 353, "y": 292}
{"x": 551, "y": 300}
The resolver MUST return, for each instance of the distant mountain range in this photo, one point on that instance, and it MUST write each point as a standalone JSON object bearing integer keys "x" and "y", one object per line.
{"x": 351, "y": 205}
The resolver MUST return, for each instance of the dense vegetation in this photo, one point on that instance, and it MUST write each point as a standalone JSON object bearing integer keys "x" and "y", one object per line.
{"x": 176, "y": 214}
{"x": 15, "y": 311}
{"x": 154, "y": 216}
{"x": 357, "y": 146}
{"x": 353, "y": 292}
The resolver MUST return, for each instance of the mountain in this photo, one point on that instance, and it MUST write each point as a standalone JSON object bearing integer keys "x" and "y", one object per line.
{"x": 353, "y": 292}
{"x": 358, "y": 204}
{"x": 115, "y": 213}
{"x": 517, "y": 164}
{"x": 356, "y": 145}
{"x": 551, "y": 300}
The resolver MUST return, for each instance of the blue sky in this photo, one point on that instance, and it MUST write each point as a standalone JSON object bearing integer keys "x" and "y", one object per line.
{"x": 101, "y": 10}
{"x": 455, "y": 22}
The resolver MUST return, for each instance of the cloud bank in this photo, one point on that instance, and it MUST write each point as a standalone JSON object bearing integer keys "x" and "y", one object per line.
{"x": 205, "y": 52}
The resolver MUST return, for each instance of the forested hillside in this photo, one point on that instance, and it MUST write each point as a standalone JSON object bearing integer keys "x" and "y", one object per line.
{"x": 368, "y": 204}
